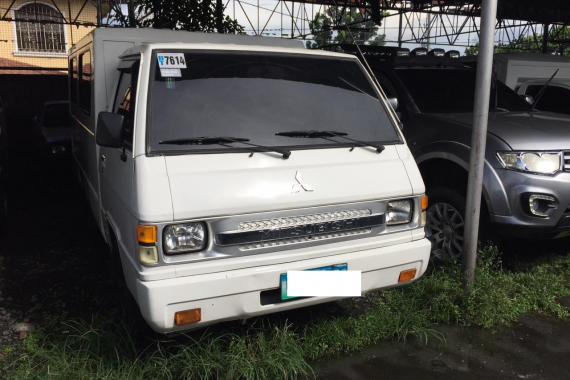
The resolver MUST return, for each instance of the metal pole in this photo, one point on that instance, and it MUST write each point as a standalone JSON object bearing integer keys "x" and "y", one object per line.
{"x": 545, "y": 39}
{"x": 478, "y": 140}
{"x": 400, "y": 32}
{"x": 99, "y": 15}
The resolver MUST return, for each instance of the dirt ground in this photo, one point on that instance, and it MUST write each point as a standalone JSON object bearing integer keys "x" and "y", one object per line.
{"x": 536, "y": 348}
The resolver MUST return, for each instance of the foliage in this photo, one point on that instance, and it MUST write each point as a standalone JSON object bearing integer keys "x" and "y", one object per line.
{"x": 331, "y": 26}
{"x": 529, "y": 44}
{"x": 191, "y": 15}
{"x": 275, "y": 349}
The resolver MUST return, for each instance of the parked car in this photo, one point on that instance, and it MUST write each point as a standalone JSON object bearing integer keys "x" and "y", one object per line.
{"x": 53, "y": 127}
{"x": 555, "y": 98}
{"x": 214, "y": 164}
{"x": 527, "y": 160}
{"x": 3, "y": 162}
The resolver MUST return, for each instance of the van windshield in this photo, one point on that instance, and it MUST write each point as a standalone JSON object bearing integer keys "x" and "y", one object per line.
{"x": 254, "y": 95}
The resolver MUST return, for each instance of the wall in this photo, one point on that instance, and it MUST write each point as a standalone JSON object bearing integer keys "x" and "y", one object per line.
{"x": 45, "y": 60}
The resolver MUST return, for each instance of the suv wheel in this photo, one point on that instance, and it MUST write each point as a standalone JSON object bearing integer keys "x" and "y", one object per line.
{"x": 445, "y": 222}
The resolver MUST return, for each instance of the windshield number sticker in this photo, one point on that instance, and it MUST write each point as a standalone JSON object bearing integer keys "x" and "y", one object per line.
{"x": 171, "y": 60}
{"x": 173, "y": 73}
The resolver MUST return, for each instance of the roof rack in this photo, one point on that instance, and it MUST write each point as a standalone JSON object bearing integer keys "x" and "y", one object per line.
{"x": 403, "y": 57}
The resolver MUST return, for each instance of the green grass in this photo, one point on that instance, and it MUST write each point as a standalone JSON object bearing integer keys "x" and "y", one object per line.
{"x": 274, "y": 348}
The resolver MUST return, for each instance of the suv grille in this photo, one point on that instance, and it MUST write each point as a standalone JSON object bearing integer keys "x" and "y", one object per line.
{"x": 567, "y": 161}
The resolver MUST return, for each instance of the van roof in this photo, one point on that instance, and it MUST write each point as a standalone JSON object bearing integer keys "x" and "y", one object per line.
{"x": 524, "y": 57}
{"x": 149, "y": 35}
{"x": 235, "y": 47}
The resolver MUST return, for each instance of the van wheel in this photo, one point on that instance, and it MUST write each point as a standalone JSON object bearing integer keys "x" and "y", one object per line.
{"x": 445, "y": 222}
{"x": 129, "y": 310}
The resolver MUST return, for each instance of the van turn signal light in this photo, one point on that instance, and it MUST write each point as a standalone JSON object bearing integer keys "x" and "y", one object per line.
{"x": 187, "y": 316}
{"x": 146, "y": 234}
{"x": 407, "y": 275}
{"x": 424, "y": 202}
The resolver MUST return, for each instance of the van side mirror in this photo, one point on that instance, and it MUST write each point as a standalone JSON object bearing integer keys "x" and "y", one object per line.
{"x": 109, "y": 130}
{"x": 394, "y": 103}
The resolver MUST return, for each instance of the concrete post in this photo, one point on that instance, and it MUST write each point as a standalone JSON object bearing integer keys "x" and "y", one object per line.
{"x": 478, "y": 140}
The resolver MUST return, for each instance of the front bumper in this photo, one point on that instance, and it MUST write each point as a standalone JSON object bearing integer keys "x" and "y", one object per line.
{"x": 236, "y": 294}
{"x": 521, "y": 223}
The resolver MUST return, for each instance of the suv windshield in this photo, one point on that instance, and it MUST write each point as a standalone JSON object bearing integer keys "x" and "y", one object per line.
{"x": 453, "y": 91}
{"x": 255, "y": 95}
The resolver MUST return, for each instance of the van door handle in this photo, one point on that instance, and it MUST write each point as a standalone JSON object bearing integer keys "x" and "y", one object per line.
{"x": 103, "y": 162}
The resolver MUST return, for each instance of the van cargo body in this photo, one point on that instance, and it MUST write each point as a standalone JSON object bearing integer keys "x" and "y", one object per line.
{"x": 214, "y": 164}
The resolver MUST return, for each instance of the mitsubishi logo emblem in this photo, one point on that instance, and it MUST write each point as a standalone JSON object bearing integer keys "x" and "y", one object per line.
{"x": 297, "y": 187}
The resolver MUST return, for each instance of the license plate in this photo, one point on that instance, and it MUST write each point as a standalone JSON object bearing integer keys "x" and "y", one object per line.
{"x": 284, "y": 296}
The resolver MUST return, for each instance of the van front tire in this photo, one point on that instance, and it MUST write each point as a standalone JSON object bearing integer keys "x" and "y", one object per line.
{"x": 129, "y": 310}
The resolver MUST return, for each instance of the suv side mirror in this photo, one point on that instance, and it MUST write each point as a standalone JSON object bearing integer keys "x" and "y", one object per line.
{"x": 528, "y": 98}
{"x": 394, "y": 103}
{"x": 109, "y": 130}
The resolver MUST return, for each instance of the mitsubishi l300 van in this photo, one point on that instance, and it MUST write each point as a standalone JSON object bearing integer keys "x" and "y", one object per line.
{"x": 216, "y": 164}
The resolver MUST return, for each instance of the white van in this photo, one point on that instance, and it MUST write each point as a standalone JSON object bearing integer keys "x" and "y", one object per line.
{"x": 514, "y": 69}
{"x": 214, "y": 164}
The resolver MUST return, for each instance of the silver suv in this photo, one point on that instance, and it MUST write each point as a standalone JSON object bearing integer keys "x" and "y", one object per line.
{"x": 526, "y": 186}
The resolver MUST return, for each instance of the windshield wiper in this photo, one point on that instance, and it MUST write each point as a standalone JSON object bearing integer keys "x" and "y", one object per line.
{"x": 223, "y": 140}
{"x": 542, "y": 90}
{"x": 327, "y": 135}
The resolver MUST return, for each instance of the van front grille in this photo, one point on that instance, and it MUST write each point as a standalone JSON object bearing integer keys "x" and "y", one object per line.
{"x": 303, "y": 219}
{"x": 302, "y": 239}
{"x": 300, "y": 229}
{"x": 567, "y": 161}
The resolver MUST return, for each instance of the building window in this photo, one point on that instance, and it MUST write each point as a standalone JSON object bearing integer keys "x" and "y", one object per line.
{"x": 39, "y": 29}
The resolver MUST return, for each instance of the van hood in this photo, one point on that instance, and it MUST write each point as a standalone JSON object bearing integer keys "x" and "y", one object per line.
{"x": 207, "y": 185}
{"x": 523, "y": 130}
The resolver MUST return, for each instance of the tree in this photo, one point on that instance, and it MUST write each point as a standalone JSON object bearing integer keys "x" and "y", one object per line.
{"x": 192, "y": 15}
{"x": 530, "y": 45}
{"x": 331, "y": 26}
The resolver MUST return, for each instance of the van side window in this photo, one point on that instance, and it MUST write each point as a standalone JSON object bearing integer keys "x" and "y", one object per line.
{"x": 73, "y": 80}
{"x": 85, "y": 82}
{"x": 125, "y": 100}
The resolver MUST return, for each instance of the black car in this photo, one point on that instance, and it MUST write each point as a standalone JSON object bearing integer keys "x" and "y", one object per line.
{"x": 527, "y": 160}
{"x": 53, "y": 127}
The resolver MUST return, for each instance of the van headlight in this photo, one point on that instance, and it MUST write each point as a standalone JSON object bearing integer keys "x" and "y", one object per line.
{"x": 398, "y": 212}
{"x": 183, "y": 238}
{"x": 532, "y": 162}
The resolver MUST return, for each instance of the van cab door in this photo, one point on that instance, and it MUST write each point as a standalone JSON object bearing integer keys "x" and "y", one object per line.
{"x": 116, "y": 165}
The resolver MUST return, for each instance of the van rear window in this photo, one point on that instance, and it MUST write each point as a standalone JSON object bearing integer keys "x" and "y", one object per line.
{"x": 254, "y": 95}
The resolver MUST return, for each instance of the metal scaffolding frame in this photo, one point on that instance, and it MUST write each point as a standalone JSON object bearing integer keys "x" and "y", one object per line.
{"x": 422, "y": 22}
{"x": 437, "y": 22}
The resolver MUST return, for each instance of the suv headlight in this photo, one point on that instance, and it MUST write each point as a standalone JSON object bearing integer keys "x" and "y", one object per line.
{"x": 398, "y": 212}
{"x": 532, "y": 162}
{"x": 183, "y": 238}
